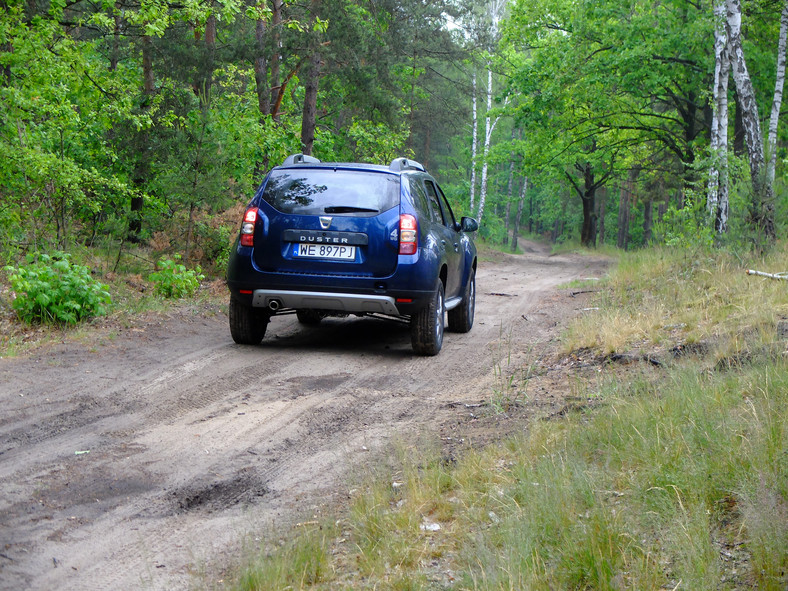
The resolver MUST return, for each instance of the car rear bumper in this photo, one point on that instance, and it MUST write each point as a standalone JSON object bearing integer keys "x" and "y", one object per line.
{"x": 402, "y": 293}
{"x": 276, "y": 299}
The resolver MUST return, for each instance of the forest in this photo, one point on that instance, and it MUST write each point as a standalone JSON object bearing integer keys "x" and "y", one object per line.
{"x": 598, "y": 122}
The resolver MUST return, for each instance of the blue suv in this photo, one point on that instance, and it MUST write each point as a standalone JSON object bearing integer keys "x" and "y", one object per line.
{"x": 332, "y": 239}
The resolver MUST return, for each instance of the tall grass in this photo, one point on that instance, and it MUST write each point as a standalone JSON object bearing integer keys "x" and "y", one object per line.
{"x": 653, "y": 490}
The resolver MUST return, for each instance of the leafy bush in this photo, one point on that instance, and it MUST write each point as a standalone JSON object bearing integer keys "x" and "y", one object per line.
{"x": 174, "y": 280}
{"x": 216, "y": 242}
{"x": 50, "y": 289}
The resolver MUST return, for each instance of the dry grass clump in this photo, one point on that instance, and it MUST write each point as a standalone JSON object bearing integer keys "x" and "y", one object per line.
{"x": 666, "y": 298}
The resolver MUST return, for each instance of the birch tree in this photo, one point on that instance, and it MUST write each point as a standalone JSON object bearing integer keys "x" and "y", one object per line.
{"x": 762, "y": 205}
{"x": 474, "y": 145}
{"x": 778, "y": 97}
{"x": 717, "y": 197}
{"x": 495, "y": 13}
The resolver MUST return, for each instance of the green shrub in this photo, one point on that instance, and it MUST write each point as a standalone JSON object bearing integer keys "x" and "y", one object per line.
{"x": 174, "y": 280}
{"x": 50, "y": 289}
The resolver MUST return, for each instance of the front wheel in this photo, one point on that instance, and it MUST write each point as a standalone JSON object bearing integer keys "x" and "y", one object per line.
{"x": 247, "y": 324}
{"x": 461, "y": 317}
{"x": 426, "y": 326}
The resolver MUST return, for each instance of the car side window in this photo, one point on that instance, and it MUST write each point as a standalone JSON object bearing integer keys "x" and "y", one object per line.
{"x": 450, "y": 219}
{"x": 420, "y": 197}
{"x": 432, "y": 195}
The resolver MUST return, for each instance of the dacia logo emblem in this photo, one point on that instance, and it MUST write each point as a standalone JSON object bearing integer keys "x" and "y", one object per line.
{"x": 325, "y": 222}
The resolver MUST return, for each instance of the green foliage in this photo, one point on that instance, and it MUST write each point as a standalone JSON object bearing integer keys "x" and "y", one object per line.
{"x": 174, "y": 280}
{"x": 216, "y": 243}
{"x": 686, "y": 227}
{"x": 50, "y": 289}
{"x": 375, "y": 142}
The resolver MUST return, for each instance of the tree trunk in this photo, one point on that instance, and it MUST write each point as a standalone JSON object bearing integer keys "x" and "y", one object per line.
{"x": 588, "y": 230}
{"x": 648, "y": 219}
{"x": 623, "y": 216}
{"x": 587, "y": 194}
{"x": 738, "y": 127}
{"x": 309, "y": 118}
{"x": 210, "y": 54}
{"x": 261, "y": 70}
{"x": 276, "y": 58}
{"x": 142, "y": 165}
{"x": 531, "y": 215}
{"x": 520, "y": 206}
{"x": 600, "y": 215}
{"x": 626, "y": 201}
{"x": 762, "y": 206}
{"x": 427, "y": 147}
{"x": 474, "y": 147}
{"x": 114, "y": 56}
{"x": 488, "y": 127}
{"x": 662, "y": 207}
{"x": 509, "y": 195}
{"x": 717, "y": 194}
{"x": 771, "y": 142}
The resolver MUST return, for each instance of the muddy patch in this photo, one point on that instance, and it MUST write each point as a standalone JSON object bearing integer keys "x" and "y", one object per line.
{"x": 217, "y": 496}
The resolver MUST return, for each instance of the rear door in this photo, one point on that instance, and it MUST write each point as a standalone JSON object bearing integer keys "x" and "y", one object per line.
{"x": 448, "y": 237}
{"x": 329, "y": 221}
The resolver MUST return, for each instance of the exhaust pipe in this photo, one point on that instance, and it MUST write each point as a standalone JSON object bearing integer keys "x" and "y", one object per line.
{"x": 274, "y": 305}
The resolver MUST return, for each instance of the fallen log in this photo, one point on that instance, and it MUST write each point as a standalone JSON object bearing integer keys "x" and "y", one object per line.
{"x": 769, "y": 275}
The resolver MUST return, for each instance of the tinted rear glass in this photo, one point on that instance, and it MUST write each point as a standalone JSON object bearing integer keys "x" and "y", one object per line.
{"x": 315, "y": 192}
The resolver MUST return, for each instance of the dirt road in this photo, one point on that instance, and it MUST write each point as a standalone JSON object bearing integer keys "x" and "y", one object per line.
{"x": 142, "y": 459}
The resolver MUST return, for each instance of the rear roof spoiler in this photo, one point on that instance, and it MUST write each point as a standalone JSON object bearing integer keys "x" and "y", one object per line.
{"x": 300, "y": 159}
{"x": 399, "y": 164}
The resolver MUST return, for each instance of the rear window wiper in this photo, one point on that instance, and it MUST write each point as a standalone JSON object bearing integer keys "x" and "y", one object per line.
{"x": 348, "y": 209}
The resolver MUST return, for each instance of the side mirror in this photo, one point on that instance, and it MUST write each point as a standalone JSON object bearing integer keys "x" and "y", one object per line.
{"x": 469, "y": 224}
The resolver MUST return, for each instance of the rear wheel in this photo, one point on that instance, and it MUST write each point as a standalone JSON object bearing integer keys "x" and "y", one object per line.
{"x": 247, "y": 324}
{"x": 309, "y": 316}
{"x": 461, "y": 317}
{"x": 426, "y": 326}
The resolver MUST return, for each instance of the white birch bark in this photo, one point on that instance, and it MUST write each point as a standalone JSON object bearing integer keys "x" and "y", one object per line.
{"x": 717, "y": 197}
{"x": 771, "y": 141}
{"x": 762, "y": 208}
{"x": 474, "y": 146}
{"x": 488, "y": 129}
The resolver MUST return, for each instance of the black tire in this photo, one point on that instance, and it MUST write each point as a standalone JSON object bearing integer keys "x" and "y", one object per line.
{"x": 461, "y": 318}
{"x": 309, "y": 317}
{"x": 427, "y": 326}
{"x": 247, "y": 324}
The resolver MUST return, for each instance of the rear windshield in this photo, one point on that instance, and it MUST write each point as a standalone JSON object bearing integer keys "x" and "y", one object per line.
{"x": 317, "y": 192}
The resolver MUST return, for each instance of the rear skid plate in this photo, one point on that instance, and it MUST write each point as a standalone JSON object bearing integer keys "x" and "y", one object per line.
{"x": 342, "y": 302}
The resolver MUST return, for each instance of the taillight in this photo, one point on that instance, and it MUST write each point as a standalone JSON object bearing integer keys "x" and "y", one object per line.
{"x": 247, "y": 227}
{"x": 408, "y": 232}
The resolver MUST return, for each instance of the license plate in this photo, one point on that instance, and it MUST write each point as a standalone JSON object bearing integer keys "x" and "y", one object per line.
{"x": 324, "y": 251}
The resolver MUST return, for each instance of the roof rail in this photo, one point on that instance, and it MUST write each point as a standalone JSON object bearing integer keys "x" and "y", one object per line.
{"x": 300, "y": 159}
{"x": 399, "y": 164}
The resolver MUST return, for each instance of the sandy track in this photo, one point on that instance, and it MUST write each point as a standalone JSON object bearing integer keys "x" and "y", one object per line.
{"x": 138, "y": 461}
